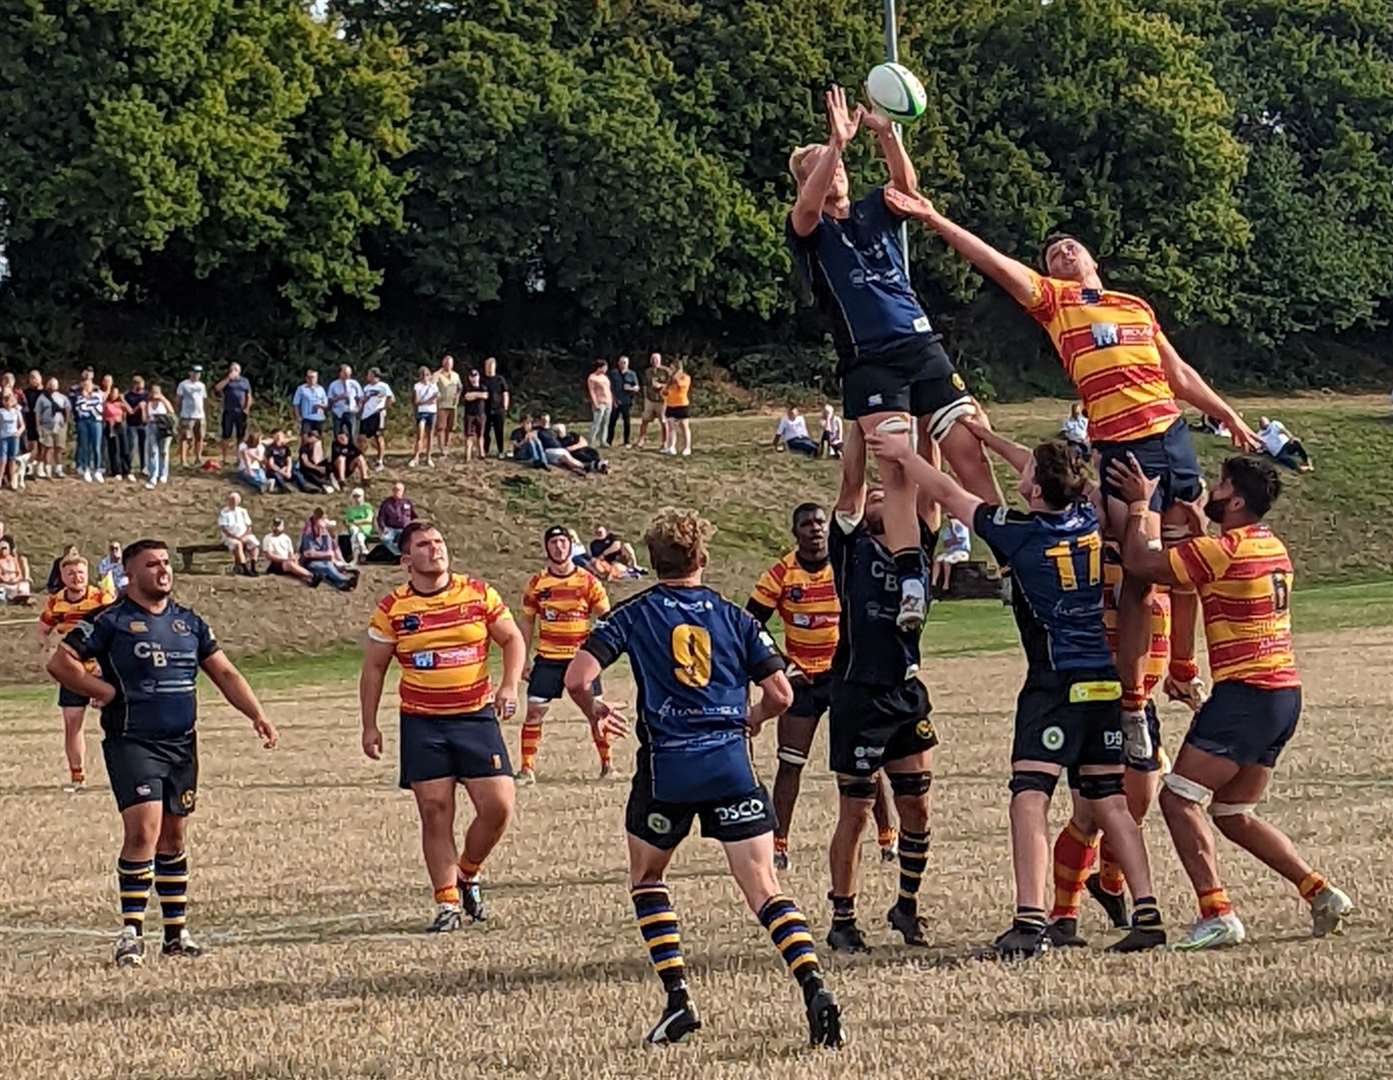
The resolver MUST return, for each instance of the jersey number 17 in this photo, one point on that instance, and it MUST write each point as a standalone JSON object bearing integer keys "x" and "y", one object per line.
{"x": 1063, "y": 558}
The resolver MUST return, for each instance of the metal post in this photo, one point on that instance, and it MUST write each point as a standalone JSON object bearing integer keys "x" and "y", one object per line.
{"x": 892, "y": 55}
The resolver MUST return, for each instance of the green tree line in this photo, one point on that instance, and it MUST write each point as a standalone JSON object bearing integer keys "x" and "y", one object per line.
{"x": 250, "y": 178}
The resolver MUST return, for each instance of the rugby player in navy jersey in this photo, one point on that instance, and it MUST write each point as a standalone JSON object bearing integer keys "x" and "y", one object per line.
{"x": 149, "y": 651}
{"x": 694, "y": 655}
{"x": 1068, "y": 713}
{"x": 891, "y": 361}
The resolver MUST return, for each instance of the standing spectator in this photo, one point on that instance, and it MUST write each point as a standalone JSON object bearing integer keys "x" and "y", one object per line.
{"x": 677, "y": 399}
{"x": 346, "y": 402}
{"x": 136, "y": 397}
{"x": 395, "y": 513}
{"x": 112, "y": 567}
{"x": 1281, "y": 445}
{"x": 311, "y": 472}
{"x": 53, "y": 413}
{"x": 601, "y": 403}
{"x": 191, "y": 396}
{"x": 357, "y": 519}
{"x": 1075, "y": 430}
{"x": 319, "y": 554}
{"x": 159, "y": 433}
{"x": 426, "y": 396}
{"x": 16, "y": 586}
{"x": 792, "y": 433}
{"x": 236, "y": 392}
{"x": 377, "y": 395}
{"x": 831, "y": 439}
{"x": 29, "y": 404}
{"x": 310, "y": 402}
{"x": 251, "y": 464}
{"x": 447, "y": 378}
{"x": 11, "y": 440}
{"x": 346, "y": 458}
{"x": 235, "y": 526}
{"x": 499, "y": 401}
{"x": 280, "y": 473}
{"x": 278, "y": 547}
{"x": 476, "y": 400}
{"x": 955, "y": 546}
{"x": 654, "y": 390}
{"x": 87, "y": 410}
{"x": 624, "y": 388}
{"x": 115, "y": 413}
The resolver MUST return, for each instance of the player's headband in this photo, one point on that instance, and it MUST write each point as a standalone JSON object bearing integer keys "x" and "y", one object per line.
{"x": 555, "y": 531}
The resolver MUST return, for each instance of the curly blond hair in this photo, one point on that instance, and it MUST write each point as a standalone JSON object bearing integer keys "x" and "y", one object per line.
{"x": 677, "y": 541}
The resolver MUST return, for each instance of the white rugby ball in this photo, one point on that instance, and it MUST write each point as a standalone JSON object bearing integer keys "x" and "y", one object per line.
{"x": 897, "y": 92}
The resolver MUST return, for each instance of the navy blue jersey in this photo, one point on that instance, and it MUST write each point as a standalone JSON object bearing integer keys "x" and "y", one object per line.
{"x": 152, "y": 660}
{"x": 856, "y": 270}
{"x": 1056, "y": 565}
{"x": 871, "y": 649}
{"x": 694, "y": 655}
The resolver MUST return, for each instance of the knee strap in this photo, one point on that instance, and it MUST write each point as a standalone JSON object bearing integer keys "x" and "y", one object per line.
{"x": 943, "y": 419}
{"x": 791, "y": 755}
{"x": 1030, "y": 780}
{"x": 1103, "y": 786}
{"x": 911, "y": 784}
{"x": 1186, "y": 788}
{"x": 1223, "y": 809}
{"x": 856, "y": 787}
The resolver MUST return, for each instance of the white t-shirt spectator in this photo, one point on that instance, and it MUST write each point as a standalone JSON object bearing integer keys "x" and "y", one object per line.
{"x": 427, "y": 397}
{"x": 234, "y": 521}
{"x": 1076, "y": 429}
{"x": 191, "y": 397}
{"x": 1273, "y": 437}
{"x": 280, "y": 547}
{"x": 11, "y": 422}
{"x": 957, "y": 541}
{"x": 347, "y": 396}
{"x": 376, "y": 397}
{"x": 797, "y": 428}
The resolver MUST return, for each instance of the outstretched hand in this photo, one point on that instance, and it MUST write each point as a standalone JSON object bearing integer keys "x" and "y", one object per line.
{"x": 1243, "y": 437}
{"x": 916, "y": 206}
{"x": 842, "y": 122}
{"x": 889, "y": 447}
{"x": 611, "y": 724}
{"x": 1132, "y": 484}
{"x": 873, "y": 118}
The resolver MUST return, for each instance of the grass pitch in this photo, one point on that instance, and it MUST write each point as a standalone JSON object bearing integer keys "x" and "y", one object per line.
{"x": 309, "y": 890}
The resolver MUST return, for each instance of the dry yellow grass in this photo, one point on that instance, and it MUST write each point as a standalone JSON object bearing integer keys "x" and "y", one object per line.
{"x": 309, "y": 890}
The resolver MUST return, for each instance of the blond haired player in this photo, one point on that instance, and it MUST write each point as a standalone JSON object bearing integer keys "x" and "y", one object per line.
{"x": 565, "y": 599}
{"x": 439, "y": 626}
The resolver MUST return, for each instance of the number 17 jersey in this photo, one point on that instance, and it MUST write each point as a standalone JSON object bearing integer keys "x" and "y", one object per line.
{"x": 1056, "y": 562}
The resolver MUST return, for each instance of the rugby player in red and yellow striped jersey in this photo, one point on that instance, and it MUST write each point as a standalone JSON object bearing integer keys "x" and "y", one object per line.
{"x": 800, "y": 588}
{"x": 1130, "y": 377}
{"x": 439, "y": 626}
{"x": 1244, "y": 579}
{"x": 566, "y": 598}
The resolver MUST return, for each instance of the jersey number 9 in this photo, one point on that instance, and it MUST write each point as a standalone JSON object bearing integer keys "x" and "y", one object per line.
{"x": 691, "y": 652}
{"x": 1063, "y": 556}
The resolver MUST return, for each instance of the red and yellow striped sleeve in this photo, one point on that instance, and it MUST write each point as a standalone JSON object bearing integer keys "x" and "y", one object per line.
{"x": 494, "y": 607}
{"x": 1200, "y": 560}
{"x": 769, "y": 588}
{"x": 530, "y": 605}
{"x": 599, "y": 599}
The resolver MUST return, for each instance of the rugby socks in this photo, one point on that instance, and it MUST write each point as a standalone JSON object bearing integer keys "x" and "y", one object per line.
{"x": 657, "y": 922}
{"x": 1074, "y": 853}
{"x": 914, "y": 856}
{"x": 1146, "y": 913}
{"x": 843, "y": 911}
{"x": 531, "y": 743}
{"x": 469, "y": 870}
{"x": 448, "y": 895}
{"x": 791, "y": 936}
{"x": 134, "y": 878}
{"x": 602, "y": 747}
{"x": 1214, "y": 903}
{"x": 885, "y": 838}
{"x": 172, "y": 885}
{"x": 1110, "y": 875}
{"x": 1133, "y": 699}
{"x": 1031, "y": 919}
{"x": 1311, "y": 886}
{"x": 780, "y": 844}
{"x": 78, "y": 775}
{"x": 1184, "y": 670}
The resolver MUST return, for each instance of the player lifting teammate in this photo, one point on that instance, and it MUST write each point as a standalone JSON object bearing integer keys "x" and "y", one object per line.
{"x": 694, "y": 655}
{"x": 891, "y": 361}
{"x": 439, "y": 626}
{"x": 565, "y": 598}
{"x": 1244, "y": 578}
{"x": 148, "y": 651}
{"x": 1068, "y": 713}
{"x": 879, "y": 709}
{"x": 800, "y": 588}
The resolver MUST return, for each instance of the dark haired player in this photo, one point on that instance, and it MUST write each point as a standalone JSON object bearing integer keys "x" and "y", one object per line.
{"x": 801, "y": 589}
{"x": 149, "y": 651}
{"x": 1067, "y": 714}
{"x": 694, "y": 655}
{"x": 1244, "y": 578}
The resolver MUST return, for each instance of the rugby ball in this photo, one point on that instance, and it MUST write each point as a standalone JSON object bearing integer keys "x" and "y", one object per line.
{"x": 897, "y": 92}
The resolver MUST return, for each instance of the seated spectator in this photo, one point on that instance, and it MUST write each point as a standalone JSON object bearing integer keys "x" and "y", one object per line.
{"x": 606, "y": 545}
{"x": 319, "y": 554}
{"x": 280, "y": 471}
{"x": 346, "y": 458}
{"x": 395, "y": 513}
{"x": 311, "y": 472}
{"x": 1279, "y": 443}
{"x": 954, "y": 546}
{"x": 580, "y": 449}
{"x": 831, "y": 441}
{"x": 281, "y": 558}
{"x": 235, "y": 526}
{"x": 251, "y": 464}
{"x": 792, "y": 434}
{"x": 1075, "y": 430}
{"x": 15, "y": 584}
{"x": 527, "y": 450}
{"x": 358, "y": 518}
{"x": 554, "y": 452}
{"x": 112, "y": 565}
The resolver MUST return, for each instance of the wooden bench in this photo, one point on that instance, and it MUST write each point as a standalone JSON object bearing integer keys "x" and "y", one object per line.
{"x": 188, "y": 551}
{"x": 973, "y": 580}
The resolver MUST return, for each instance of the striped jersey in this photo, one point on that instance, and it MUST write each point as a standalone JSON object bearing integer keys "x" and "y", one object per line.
{"x": 1244, "y": 579}
{"x": 566, "y": 607}
{"x": 62, "y": 615}
{"x": 442, "y": 644}
{"x": 1158, "y": 652}
{"x": 806, "y": 601}
{"x": 1108, "y": 343}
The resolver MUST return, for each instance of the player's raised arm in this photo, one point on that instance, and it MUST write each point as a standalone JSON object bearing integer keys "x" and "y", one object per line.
{"x": 941, "y": 487}
{"x": 1142, "y": 551}
{"x": 842, "y": 125}
{"x": 1013, "y": 276}
{"x": 1013, "y": 453}
{"x": 377, "y": 658}
{"x": 237, "y": 692}
{"x": 902, "y": 174}
{"x": 1190, "y": 386}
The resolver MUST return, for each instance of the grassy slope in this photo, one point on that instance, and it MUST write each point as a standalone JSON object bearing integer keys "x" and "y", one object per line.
{"x": 493, "y": 515}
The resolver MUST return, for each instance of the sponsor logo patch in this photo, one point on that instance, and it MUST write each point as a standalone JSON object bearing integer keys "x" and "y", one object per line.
{"x": 735, "y": 813}
{"x": 188, "y": 798}
{"x": 1053, "y": 737}
{"x": 659, "y": 824}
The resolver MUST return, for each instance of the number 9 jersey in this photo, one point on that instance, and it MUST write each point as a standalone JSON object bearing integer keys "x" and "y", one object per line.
{"x": 1056, "y": 562}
